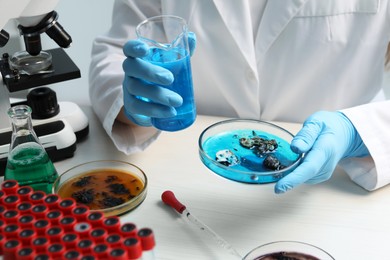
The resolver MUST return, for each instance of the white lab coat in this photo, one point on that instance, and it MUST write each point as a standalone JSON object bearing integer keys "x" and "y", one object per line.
{"x": 306, "y": 56}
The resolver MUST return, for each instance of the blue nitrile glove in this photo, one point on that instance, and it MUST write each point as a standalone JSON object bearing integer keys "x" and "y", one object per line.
{"x": 143, "y": 98}
{"x": 325, "y": 138}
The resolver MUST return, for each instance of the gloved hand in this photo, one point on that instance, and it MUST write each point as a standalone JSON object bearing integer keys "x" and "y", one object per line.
{"x": 325, "y": 138}
{"x": 143, "y": 98}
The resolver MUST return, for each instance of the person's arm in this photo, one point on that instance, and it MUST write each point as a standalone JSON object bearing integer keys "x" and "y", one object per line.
{"x": 106, "y": 75}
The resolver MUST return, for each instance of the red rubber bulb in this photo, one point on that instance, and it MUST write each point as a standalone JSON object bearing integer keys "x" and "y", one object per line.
{"x": 168, "y": 197}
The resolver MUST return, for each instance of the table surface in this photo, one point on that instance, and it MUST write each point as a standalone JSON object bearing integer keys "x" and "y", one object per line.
{"x": 338, "y": 216}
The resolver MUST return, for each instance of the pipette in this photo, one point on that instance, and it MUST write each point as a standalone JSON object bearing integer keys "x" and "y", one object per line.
{"x": 169, "y": 198}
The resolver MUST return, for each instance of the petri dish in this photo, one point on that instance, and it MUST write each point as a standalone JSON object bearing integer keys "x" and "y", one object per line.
{"x": 292, "y": 250}
{"x": 249, "y": 151}
{"x": 29, "y": 64}
{"x": 109, "y": 186}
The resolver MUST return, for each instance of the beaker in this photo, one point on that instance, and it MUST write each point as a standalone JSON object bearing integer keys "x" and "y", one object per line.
{"x": 28, "y": 162}
{"x": 167, "y": 37}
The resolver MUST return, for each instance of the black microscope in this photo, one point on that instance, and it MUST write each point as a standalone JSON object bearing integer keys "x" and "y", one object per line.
{"x": 59, "y": 125}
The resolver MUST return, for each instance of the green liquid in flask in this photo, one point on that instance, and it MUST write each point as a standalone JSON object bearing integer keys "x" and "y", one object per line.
{"x": 28, "y": 162}
{"x": 30, "y": 165}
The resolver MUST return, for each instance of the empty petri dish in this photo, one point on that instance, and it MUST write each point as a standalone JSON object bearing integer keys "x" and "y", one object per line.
{"x": 29, "y": 64}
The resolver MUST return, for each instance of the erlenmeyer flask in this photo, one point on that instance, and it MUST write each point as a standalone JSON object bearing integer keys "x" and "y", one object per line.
{"x": 28, "y": 162}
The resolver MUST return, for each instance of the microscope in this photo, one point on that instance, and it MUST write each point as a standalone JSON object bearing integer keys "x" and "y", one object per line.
{"x": 59, "y": 125}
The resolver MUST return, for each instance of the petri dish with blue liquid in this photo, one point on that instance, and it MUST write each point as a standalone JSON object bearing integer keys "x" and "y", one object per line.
{"x": 248, "y": 151}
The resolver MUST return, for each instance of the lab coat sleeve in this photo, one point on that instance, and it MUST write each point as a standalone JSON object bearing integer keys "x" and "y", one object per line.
{"x": 372, "y": 121}
{"x": 106, "y": 75}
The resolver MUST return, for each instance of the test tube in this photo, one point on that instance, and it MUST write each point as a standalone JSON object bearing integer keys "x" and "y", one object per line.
{"x": 11, "y": 216}
{"x": 24, "y": 192}
{"x": 83, "y": 229}
{"x": 118, "y": 254}
{"x": 10, "y": 231}
{"x": 10, "y": 201}
{"x": 98, "y": 235}
{"x": 25, "y": 207}
{"x": 56, "y": 250}
{"x": 37, "y": 197}
{"x": 26, "y": 236}
{"x": 114, "y": 240}
{"x": 54, "y": 216}
{"x": 133, "y": 247}
{"x": 41, "y": 244}
{"x": 39, "y": 211}
{"x": 148, "y": 243}
{"x": 70, "y": 240}
{"x": 55, "y": 233}
{"x": 52, "y": 201}
{"x": 40, "y": 226}
{"x": 26, "y": 221}
{"x": 96, "y": 219}
{"x": 67, "y": 205}
{"x": 85, "y": 246}
{"x": 26, "y": 253}
{"x": 128, "y": 230}
{"x": 81, "y": 213}
{"x": 102, "y": 251}
{"x": 10, "y": 249}
{"x": 112, "y": 224}
{"x": 9, "y": 186}
{"x": 68, "y": 223}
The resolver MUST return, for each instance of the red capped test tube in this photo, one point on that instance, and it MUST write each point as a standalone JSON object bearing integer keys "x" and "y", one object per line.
{"x": 114, "y": 240}
{"x": 85, "y": 246}
{"x": 26, "y": 236}
{"x": 98, "y": 235}
{"x": 10, "y": 249}
{"x": 52, "y": 201}
{"x": 41, "y": 225}
{"x": 55, "y": 233}
{"x": 67, "y": 205}
{"x": 9, "y": 186}
{"x": 68, "y": 223}
{"x": 95, "y": 218}
{"x": 10, "y": 216}
{"x": 39, "y": 211}
{"x": 148, "y": 243}
{"x": 56, "y": 250}
{"x": 112, "y": 224}
{"x": 54, "y": 216}
{"x": 24, "y": 192}
{"x": 37, "y": 197}
{"x": 128, "y": 230}
{"x": 102, "y": 251}
{"x": 41, "y": 244}
{"x": 26, "y": 253}
{"x": 10, "y": 231}
{"x": 70, "y": 240}
{"x": 133, "y": 247}
{"x": 118, "y": 254}
{"x": 80, "y": 212}
{"x": 10, "y": 201}
{"x": 72, "y": 254}
{"x": 25, "y": 207}
{"x": 26, "y": 221}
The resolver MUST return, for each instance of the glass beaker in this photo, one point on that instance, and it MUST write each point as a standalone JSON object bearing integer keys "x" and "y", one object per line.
{"x": 28, "y": 162}
{"x": 167, "y": 37}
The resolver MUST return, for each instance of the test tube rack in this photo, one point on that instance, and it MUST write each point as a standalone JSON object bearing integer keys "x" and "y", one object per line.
{"x": 35, "y": 225}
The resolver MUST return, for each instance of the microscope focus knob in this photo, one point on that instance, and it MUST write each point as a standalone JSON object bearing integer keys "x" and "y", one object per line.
{"x": 43, "y": 102}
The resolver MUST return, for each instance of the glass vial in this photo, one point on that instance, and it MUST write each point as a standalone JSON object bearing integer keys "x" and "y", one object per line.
{"x": 28, "y": 162}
